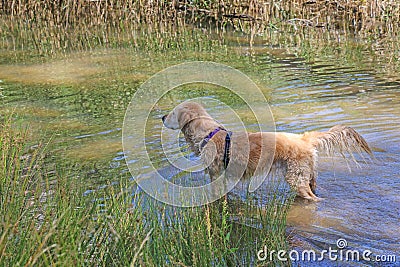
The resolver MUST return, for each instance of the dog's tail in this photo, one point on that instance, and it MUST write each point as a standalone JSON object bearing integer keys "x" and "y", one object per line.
{"x": 340, "y": 139}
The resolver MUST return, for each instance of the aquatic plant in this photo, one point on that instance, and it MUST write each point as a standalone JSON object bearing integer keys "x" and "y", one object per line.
{"x": 49, "y": 27}
{"x": 49, "y": 217}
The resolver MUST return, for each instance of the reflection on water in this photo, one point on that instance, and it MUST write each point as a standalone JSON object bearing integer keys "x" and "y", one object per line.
{"x": 78, "y": 68}
{"x": 362, "y": 206}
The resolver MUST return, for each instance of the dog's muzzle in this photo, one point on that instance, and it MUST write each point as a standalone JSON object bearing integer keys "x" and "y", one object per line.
{"x": 163, "y": 118}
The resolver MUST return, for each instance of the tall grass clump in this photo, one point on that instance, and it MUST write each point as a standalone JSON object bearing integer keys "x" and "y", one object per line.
{"x": 51, "y": 27}
{"x": 46, "y": 220}
{"x": 49, "y": 218}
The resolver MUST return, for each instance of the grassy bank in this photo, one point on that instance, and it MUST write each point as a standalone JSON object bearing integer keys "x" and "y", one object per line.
{"x": 51, "y": 27}
{"x": 49, "y": 218}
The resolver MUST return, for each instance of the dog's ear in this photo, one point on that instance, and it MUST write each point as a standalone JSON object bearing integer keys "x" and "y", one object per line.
{"x": 190, "y": 111}
{"x": 185, "y": 115}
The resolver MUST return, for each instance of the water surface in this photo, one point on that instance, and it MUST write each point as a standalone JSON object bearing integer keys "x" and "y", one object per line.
{"x": 81, "y": 100}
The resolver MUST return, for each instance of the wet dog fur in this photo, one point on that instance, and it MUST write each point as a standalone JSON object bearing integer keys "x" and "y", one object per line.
{"x": 253, "y": 153}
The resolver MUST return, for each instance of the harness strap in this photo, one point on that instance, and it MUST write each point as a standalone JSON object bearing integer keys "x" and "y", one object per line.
{"x": 227, "y": 144}
{"x": 209, "y": 136}
{"x": 227, "y": 148}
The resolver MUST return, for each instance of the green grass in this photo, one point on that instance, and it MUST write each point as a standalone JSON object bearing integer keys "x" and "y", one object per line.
{"x": 48, "y": 220}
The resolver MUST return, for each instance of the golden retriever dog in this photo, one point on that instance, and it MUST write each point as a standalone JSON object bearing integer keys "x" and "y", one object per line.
{"x": 246, "y": 154}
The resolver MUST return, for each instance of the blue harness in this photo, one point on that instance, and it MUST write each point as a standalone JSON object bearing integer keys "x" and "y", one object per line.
{"x": 227, "y": 143}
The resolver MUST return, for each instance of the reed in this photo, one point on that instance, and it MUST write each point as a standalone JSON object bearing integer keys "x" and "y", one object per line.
{"x": 50, "y": 27}
{"x": 49, "y": 218}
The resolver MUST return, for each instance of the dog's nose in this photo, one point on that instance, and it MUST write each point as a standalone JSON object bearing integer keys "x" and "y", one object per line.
{"x": 163, "y": 118}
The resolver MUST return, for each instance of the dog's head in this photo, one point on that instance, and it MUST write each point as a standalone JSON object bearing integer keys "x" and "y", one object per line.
{"x": 183, "y": 114}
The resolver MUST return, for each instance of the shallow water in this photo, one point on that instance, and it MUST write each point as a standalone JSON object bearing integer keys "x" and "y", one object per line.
{"x": 82, "y": 101}
{"x": 361, "y": 206}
